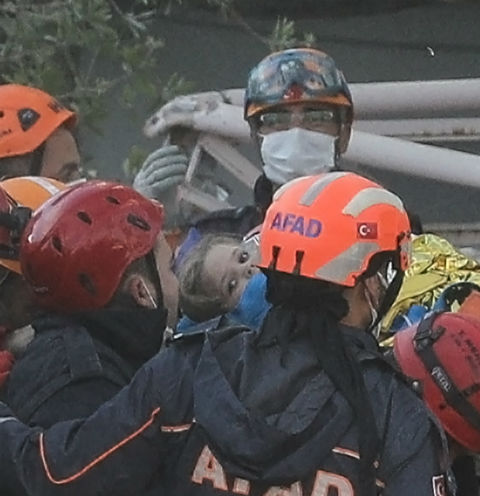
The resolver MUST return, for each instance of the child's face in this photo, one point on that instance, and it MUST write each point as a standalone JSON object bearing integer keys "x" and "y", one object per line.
{"x": 227, "y": 269}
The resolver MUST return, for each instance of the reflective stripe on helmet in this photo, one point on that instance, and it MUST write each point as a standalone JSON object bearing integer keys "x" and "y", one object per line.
{"x": 368, "y": 198}
{"x": 45, "y": 184}
{"x": 318, "y": 186}
{"x": 286, "y": 186}
{"x": 348, "y": 261}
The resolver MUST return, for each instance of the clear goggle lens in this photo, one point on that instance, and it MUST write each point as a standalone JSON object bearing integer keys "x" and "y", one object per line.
{"x": 284, "y": 119}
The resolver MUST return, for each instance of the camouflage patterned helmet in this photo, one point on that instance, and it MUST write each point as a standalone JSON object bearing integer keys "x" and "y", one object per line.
{"x": 295, "y": 76}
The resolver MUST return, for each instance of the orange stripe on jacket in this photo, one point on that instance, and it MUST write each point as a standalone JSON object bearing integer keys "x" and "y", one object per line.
{"x": 97, "y": 460}
{"x": 356, "y": 455}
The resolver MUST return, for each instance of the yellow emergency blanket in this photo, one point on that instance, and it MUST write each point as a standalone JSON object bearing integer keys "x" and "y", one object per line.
{"x": 435, "y": 265}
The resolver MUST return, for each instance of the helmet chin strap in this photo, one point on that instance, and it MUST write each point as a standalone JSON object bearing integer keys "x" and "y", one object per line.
{"x": 37, "y": 160}
{"x": 373, "y": 327}
{"x": 150, "y": 297}
{"x": 152, "y": 265}
{"x": 337, "y": 151}
{"x": 256, "y": 139}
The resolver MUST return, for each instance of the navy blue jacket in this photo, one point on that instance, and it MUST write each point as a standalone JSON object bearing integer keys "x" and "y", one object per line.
{"x": 217, "y": 415}
{"x": 75, "y": 364}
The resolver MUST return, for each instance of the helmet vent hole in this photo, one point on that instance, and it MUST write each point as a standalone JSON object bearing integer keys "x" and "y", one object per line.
{"x": 275, "y": 254}
{"x": 27, "y": 118}
{"x": 84, "y": 217}
{"x": 298, "y": 262}
{"x": 138, "y": 222}
{"x": 87, "y": 283}
{"x": 112, "y": 199}
{"x": 57, "y": 244}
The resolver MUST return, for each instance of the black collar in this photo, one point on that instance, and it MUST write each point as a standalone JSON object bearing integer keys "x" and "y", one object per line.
{"x": 135, "y": 334}
{"x": 359, "y": 338}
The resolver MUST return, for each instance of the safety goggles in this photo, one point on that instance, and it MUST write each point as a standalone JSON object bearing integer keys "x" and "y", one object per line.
{"x": 279, "y": 120}
{"x": 271, "y": 82}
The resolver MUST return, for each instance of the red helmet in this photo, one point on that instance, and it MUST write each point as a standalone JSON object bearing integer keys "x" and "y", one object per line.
{"x": 28, "y": 116}
{"x": 442, "y": 353}
{"x": 330, "y": 226}
{"x": 78, "y": 244}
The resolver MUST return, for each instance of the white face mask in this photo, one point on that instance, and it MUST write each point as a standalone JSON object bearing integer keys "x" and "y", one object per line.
{"x": 297, "y": 152}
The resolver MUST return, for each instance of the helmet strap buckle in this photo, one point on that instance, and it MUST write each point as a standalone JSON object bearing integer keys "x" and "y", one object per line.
{"x": 36, "y": 163}
{"x": 426, "y": 334}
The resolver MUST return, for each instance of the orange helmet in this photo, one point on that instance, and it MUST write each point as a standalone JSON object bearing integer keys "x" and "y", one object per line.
{"x": 329, "y": 227}
{"x": 28, "y": 116}
{"x": 31, "y": 192}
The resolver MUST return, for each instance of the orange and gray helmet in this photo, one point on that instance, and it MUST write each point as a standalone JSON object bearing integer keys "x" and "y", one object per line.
{"x": 330, "y": 226}
{"x": 25, "y": 195}
{"x": 28, "y": 116}
{"x": 295, "y": 76}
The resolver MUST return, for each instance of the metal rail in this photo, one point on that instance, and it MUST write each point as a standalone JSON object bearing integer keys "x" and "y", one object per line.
{"x": 417, "y": 98}
{"x": 220, "y": 113}
{"x": 458, "y": 234}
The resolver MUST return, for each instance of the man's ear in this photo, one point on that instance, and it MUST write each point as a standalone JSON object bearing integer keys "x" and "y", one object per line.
{"x": 137, "y": 288}
{"x": 60, "y": 150}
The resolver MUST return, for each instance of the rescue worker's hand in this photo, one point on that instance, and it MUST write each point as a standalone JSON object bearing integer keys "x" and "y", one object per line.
{"x": 6, "y": 364}
{"x": 162, "y": 170}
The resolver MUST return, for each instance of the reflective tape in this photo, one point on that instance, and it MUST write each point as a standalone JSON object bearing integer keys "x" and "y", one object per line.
{"x": 338, "y": 269}
{"x": 368, "y": 198}
{"x": 318, "y": 186}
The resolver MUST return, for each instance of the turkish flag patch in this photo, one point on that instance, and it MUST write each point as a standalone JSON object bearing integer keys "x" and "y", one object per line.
{"x": 367, "y": 230}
